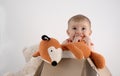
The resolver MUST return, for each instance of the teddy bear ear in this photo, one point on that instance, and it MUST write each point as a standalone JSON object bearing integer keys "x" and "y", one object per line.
{"x": 45, "y": 37}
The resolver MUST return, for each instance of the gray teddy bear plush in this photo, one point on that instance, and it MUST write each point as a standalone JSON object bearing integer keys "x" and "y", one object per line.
{"x": 31, "y": 65}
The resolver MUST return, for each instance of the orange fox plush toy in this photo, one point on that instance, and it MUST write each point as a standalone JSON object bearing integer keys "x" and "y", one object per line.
{"x": 51, "y": 51}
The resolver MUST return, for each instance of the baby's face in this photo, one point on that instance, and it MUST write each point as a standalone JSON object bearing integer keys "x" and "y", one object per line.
{"x": 78, "y": 29}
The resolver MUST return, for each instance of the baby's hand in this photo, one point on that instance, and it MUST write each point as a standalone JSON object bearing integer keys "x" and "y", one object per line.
{"x": 87, "y": 40}
{"x": 77, "y": 39}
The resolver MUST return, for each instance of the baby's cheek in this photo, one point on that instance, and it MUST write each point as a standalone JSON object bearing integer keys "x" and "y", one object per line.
{"x": 72, "y": 35}
{"x": 85, "y": 34}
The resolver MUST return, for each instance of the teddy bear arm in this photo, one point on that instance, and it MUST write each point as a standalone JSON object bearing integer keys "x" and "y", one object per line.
{"x": 36, "y": 54}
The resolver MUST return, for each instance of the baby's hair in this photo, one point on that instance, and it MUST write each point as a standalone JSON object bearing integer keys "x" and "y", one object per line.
{"x": 78, "y": 18}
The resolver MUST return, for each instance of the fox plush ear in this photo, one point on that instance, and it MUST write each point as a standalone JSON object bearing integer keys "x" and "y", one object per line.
{"x": 45, "y": 37}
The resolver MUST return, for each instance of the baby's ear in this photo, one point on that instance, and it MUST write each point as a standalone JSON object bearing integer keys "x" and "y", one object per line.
{"x": 67, "y": 32}
{"x": 90, "y": 32}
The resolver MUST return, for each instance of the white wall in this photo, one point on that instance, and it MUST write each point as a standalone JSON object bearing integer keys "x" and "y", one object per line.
{"x": 22, "y": 22}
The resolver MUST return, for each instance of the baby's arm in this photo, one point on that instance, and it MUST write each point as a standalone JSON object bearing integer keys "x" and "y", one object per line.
{"x": 88, "y": 41}
{"x": 64, "y": 42}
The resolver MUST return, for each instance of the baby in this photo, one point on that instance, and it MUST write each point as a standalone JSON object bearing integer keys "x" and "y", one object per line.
{"x": 79, "y": 28}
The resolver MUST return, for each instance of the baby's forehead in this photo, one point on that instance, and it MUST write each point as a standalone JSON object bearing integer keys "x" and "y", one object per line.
{"x": 79, "y": 23}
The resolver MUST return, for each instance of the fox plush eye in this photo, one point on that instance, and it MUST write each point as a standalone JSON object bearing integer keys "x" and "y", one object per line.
{"x": 51, "y": 50}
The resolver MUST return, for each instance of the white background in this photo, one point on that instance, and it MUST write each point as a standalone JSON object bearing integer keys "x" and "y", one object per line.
{"x": 23, "y": 22}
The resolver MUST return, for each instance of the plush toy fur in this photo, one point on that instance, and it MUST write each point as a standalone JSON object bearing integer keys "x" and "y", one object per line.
{"x": 51, "y": 51}
{"x": 28, "y": 51}
{"x": 32, "y": 64}
{"x": 80, "y": 49}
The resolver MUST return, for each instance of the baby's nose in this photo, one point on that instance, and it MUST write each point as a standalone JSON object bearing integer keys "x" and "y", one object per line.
{"x": 78, "y": 32}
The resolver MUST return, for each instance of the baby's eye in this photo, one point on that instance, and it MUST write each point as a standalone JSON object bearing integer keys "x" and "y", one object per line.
{"x": 74, "y": 28}
{"x": 83, "y": 28}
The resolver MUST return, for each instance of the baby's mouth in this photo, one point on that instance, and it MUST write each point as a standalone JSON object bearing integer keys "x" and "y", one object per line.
{"x": 79, "y": 35}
